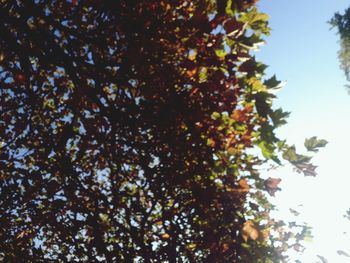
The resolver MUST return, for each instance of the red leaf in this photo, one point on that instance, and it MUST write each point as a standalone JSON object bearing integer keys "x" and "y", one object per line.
{"x": 271, "y": 185}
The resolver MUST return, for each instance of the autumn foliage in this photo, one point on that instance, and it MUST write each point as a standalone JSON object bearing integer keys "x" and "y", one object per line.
{"x": 133, "y": 131}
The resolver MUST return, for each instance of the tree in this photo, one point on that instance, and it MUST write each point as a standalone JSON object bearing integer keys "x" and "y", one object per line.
{"x": 342, "y": 24}
{"x": 129, "y": 133}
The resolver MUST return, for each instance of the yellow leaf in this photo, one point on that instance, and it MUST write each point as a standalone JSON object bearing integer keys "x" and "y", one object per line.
{"x": 210, "y": 142}
{"x": 243, "y": 184}
{"x": 249, "y": 231}
{"x": 165, "y": 236}
{"x": 191, "y": 246}
{"x": 231, "y": 151}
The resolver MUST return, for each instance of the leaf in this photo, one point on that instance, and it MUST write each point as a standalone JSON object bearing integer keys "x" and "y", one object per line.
{"x": 21, "y": 234}
{"x": 278, "y": 117}
{"x": 307, "y": 169}
{"x": 264, "y": 234}
{"x": 211, "y": 142}
{"x": 231, "y": 150}
{"x": 244, "y": 185}
{"x": 252, "y": 42}
{"x": 221, "y": 53}
{"x": 191, "y": 246}
{"x": 233, "y": 27}
{"x": 273, "y": 83}
{"x": 254, "y": 16}
{"x": 347, "y": 214}
{"x": 262, "y": 103}
{"x": 294, "y": 212}
{"x": 290, "y": 154}
{"x": 306, "y": 234}
{"x": 203, "y": 74}
{"x": 228, "y": 8}
{"x": 260, "y": 17}
{"x": 165, "y": 236}
{"x": 267, "y": 133}
{"x": 225, "y": 247}
{"x": 299, "y": 160}
{"x": 248, "y": 66}
{"x": 267, "y": 150}
{"x": 239, "y": 115}
{"x": 343, "y": 253}
{"x": 310, "y": 171}
{"x": 215, "y": 115}
{"x": 249, "y": 231}
{"x": 323, "y": 259}
{"x": 257, "y": 85}
{"x": 313, "y": 143}
{"x": 271, "y": 185}
{"x": 104, "y": 218}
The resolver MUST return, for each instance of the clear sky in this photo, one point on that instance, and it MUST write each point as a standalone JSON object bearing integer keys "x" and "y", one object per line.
{"x": 303, "y": 51}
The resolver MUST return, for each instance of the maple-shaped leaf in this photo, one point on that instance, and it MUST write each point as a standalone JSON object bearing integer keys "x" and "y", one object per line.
{"x": 271, "y": 185}
{"x": 262, "y": 103}
{"x": 273, "y": 83}
{"x": 279, "y": 117}
{"x": 293, "y": 157}
{"x": 307, "y": 169}
{"x": 233, "y": 27}
{"x": 249, "y": 231}
{"x": 313, "y": 144}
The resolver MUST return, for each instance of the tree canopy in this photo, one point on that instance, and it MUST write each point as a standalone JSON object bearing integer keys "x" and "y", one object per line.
{"x": 342, "y": 24}
{"x": 134, "y": 131}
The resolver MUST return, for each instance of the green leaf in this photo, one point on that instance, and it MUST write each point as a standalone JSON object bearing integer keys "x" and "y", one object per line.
{"x": 267, "y": 150}
{"x": 263, "y": 101}
{"x": 221, "y": 53}
{"x": 267, "y": 133}
{"x": 245, "y": 245}
{"x": 215, "y": 115}
{"x": 281, "y": 144}
{"x": 290, "y": 154}
{"x": 297, "y": 159}
{"x": 254, "y": 16}
{"x": 278, "y": 117}
{"x": 251, "y": 42}
{"x": 257, "y": 85}
{"x": 273, "y": 83}
{"x": 228, "y": 8}
{"x": 203, "y": 74}
{"x": 313, "y": 144}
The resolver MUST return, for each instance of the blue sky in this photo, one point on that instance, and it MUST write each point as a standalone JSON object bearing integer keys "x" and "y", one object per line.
{"x": 302, "y": 50}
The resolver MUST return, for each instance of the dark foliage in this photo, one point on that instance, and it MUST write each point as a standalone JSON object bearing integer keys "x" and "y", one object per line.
{"x": 129, "y": 133}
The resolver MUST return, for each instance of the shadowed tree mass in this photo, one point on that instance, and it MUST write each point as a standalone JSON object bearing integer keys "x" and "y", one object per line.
{"x": 132, "y": 131}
